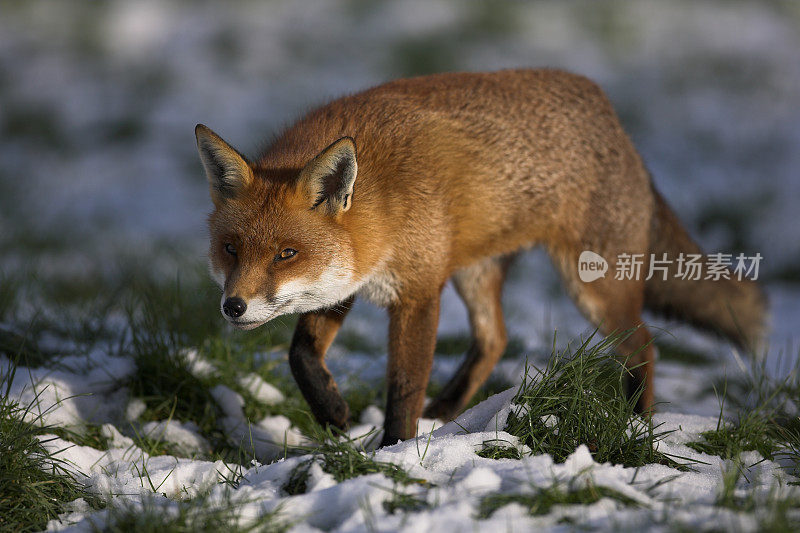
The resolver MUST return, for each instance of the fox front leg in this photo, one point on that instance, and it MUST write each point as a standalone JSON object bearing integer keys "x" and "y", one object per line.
{"x": 314, "y": 334}
{"x": 412, "y": 341}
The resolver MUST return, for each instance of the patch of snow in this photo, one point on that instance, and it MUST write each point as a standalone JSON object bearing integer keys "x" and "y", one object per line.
{"x": 198, "y": 366}
{"x": 130, "y": 471}
{"x": 372, "y": 415}
{"x": 230, "y": 402}
{"x": 266, "y": 441}
{"x": 135, "y": 408}
{"x": 262, "y": 391}
{"x": 83, "y": 389}
{"x": 186, "y": 435}
{"x": 114, "y": 437}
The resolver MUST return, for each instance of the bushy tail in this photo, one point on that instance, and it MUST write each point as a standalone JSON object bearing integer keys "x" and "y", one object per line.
{"x": 732, "y": 308}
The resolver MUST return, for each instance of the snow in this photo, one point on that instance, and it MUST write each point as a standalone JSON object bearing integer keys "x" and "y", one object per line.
{"x": 81, "y": 389}
{"x": 185, "y": 435}
{"x": 266, "y": 440}
{"x": 445, "y": 457}
{"x": 230, "y": 401}
{"x": 261, "y": 390}
{"x": 198, "y": 365}
{"x": 130, "y": 471}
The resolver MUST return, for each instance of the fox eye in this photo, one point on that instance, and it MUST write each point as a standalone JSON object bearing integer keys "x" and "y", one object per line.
{"x": 286, "y": 253}
{"x": 231, "y": 249}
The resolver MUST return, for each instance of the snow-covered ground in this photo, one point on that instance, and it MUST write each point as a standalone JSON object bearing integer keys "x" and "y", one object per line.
{"x": 657, "y": 496}
{"x": 97, "y": 109}
{"x": 85, "y": 389}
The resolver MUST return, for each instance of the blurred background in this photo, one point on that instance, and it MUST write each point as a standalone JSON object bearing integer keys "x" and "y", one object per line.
{"x": 98, "y": 101}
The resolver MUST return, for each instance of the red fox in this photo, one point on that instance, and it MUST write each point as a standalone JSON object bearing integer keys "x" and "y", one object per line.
{"x": 388, "y": 193}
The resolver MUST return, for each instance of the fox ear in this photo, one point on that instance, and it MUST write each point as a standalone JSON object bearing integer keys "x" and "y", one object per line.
{"x": 328, "y": 179}
{"x": 226, "y": 169}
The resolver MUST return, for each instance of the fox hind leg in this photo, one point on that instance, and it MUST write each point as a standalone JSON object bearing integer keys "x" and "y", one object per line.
{"x": 615, "y": 306}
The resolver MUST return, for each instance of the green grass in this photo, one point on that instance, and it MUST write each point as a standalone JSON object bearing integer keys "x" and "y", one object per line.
{"x": 499, "y": 450}
{"x": 578, "y": 393}
{"x": 766, "y": 419}
{"x": 775, "y": 511}
{"x": 442, "y": 50}
{"x": 729, "y": 440}
{"x": 22, "y": 347}
{"x": 35, "y": 486}
{"x": 86, "y": 435}
{"x": 200, "y": 515}
{"x": 343, "y": 459}
{"x": 405, "y": 502}
{"x": 165, "y": 322}
{"x": 541, "y": 501}
{"x": 790, "y": 438}
{"x": 155, "y": 322}
{"x": 577, "y": 399}
{"x": 360, "y": 394}
{"x": 298, "y": 479}
{"x": 164, "y": 381}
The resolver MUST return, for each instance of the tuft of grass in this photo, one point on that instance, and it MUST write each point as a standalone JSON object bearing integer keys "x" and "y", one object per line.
{"x": 499, "y": 450}
{"x": 729, "y": 440}
{"x": 298, "y": 479}
{"x": 541, "y": 501}
{"x": 790, "y": 451}
{"x": 343, "y": 458}
{"x": 164, "y": 381}
{"x": 774, "y": 509}
{"x": 22, "y": 347}
{"x": 780, "y": 515}
{"x": 577, "y": 399}
{"x": 764, "y": 423}
{"x": 35, "y": 486}
{"x": 727, "y": 495}
{"x": 165, "y": 322}
{"x": 86, "y": 435}
{"x": 156, "y": 515}
{"x": 405, "y": 502}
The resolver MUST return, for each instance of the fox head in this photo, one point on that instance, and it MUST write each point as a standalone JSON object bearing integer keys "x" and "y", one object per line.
{"x": 278, "y": 245}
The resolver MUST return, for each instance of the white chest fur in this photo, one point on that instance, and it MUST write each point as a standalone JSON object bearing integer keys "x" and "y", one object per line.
{"x": 381, "y": 288}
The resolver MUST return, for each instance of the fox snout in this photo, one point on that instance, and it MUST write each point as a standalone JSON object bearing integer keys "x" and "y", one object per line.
{"x": 249, "y": 313}
{"x": 234, "y": 307}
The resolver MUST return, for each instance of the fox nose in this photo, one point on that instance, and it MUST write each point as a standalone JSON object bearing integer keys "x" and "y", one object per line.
{"x": 234, "y": 307}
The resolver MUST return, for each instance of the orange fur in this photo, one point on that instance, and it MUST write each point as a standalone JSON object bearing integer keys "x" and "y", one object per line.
{"x": 455, "y": 174}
